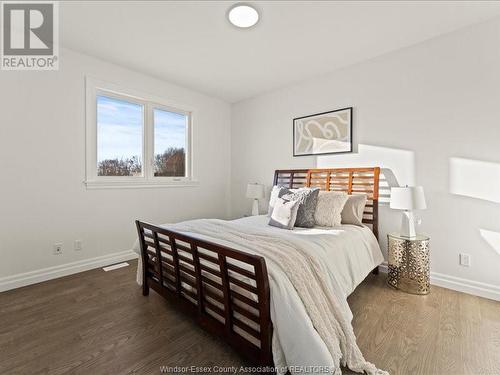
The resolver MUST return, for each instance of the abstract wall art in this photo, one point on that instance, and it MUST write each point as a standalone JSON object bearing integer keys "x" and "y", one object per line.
{"x": 323, "y": 133}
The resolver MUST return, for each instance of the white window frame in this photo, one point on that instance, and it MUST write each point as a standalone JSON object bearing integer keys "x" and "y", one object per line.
{"x": 95, "y": 88}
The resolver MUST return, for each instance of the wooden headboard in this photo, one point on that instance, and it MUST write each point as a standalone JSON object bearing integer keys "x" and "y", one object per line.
{"x": 350, "y": 180}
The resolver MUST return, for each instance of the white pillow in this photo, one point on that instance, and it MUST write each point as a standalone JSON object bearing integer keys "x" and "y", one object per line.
{"x": 329, "y": 208}
{"x": 352, "y": 213}
{"x": 275, "y": 194}
{"x": 284, "y": 213}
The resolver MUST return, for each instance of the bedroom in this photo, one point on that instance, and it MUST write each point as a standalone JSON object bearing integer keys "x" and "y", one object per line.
{"x": 169, "y": 112}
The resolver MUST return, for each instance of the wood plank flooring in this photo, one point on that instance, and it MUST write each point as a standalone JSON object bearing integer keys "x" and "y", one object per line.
{"x": 99, "y": 323}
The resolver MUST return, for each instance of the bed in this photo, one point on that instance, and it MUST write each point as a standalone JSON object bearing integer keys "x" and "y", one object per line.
{"x": 235, "y": 279}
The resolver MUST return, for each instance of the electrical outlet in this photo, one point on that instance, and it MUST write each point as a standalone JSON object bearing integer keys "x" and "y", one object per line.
{"x": 78, "y": 245}
{"x": 464, "y": 260}
{"x": 58, "y": 248}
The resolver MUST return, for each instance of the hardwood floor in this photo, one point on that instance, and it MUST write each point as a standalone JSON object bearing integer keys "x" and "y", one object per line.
{"x": 99, "y": 323}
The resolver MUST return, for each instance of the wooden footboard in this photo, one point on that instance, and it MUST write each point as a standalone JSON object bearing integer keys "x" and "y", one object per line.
{"x": 225, "y": 290}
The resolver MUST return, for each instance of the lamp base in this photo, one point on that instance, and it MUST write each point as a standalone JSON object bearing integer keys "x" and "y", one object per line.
{"x": 255, "y": 207}
{"x": 408, "y": 225}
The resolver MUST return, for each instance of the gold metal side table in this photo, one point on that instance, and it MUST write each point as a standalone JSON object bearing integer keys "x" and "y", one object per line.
{"x": 409, "y": 268}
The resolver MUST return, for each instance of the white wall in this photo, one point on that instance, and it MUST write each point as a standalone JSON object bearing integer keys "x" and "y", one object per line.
{"x": 414, "y": 110}
{"x": 42, "y": 149}
{"x": 428, "y": 114}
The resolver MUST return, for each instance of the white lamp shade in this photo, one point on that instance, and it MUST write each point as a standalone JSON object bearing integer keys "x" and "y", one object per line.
{"x": 255, "y": 191}
{"x": 408, "y": 198}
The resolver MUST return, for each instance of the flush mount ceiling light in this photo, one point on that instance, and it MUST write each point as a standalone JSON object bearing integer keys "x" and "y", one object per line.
{"x": 243, "y": 15}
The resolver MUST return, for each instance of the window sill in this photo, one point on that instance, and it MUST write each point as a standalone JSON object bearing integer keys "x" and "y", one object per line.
{"x": 99, "y": 184}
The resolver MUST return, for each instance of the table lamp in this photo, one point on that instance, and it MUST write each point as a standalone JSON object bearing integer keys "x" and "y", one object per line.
{"x": 408, "y": 198}
{"x": 255, "y": 191}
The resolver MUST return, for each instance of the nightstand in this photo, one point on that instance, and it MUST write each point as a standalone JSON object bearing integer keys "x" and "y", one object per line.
{"x": 409, "y": 268}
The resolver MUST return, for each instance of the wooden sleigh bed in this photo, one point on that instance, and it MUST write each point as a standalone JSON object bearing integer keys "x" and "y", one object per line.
{"x": 212, "y": 283}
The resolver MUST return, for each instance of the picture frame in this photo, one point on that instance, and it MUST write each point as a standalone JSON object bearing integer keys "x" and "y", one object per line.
{"x": 323, "y": 133}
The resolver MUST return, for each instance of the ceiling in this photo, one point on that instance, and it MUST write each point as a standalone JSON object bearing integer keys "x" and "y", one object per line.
{"x": 192, "y": 44}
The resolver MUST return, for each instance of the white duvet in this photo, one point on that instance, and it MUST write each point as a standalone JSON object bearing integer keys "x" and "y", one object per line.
{"x": 346, "y": 255}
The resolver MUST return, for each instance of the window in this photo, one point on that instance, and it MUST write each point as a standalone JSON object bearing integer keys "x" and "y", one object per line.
{"x": 135, "y": 140}
{"x": 120, "y": 127}
{"x": 170, "y": 143}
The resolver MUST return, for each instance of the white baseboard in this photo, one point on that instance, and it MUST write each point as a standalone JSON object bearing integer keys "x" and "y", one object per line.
{"x": 16, "y": 281}
{"x": 33, "y": 277}
{"x": 459, "y": 284}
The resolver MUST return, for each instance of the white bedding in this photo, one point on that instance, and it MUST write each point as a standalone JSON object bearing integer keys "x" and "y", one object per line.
{"x": 347, "y": 253}
{"x": 350, "y": 252}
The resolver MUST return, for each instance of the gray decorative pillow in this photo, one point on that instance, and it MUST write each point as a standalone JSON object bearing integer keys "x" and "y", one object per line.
{"x": 353, "y": 209}
{"x": 284, "y": 214}
{"x": 308, "y": 199}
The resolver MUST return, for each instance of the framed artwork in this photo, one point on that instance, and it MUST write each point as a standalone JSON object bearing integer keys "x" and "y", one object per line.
{"x": 323, "y": 133}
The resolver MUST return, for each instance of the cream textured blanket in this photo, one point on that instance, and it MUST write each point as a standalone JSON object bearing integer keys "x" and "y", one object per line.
{"x": 326, "y": 308}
